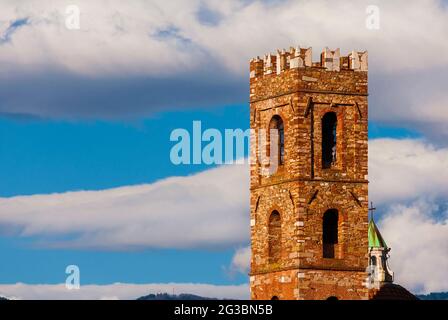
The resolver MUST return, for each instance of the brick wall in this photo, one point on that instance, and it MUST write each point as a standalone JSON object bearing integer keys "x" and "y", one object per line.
{"x": 301, "y": 92}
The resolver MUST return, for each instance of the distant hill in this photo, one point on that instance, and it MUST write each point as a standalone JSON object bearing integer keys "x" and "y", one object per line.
{"x": 433, "y": 296}
{"x": 187, "y": 296}
{"x": 166, "y": 296}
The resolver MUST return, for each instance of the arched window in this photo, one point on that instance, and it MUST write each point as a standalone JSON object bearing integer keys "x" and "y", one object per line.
{"x": 274, "y": 236}
{"x": 277, "y": 134}
{"x": 373, "y": 261}
{"x": 330, "y": 233}
{"x": 332, "y": 298}
{"x": 329, "y": 125}
{"x": 275, "y": 298}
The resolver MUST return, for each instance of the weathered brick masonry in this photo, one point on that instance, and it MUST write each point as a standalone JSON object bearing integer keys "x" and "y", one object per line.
{"x": 288, "y": 260}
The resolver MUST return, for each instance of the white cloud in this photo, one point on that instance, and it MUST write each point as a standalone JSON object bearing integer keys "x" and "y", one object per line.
{"x": 409, "y": 183}
{"x": 418, "y": 236}
{"x": 209, "y": 209}
{"x": 130, "y": 55}
{"x": 114, "y": 36}
{"x": 408, "y": 179}
{"x": 241, "y": 261}
{"x": 159, "y": 37}
{"x": 402, "y": 170}
{"x": 122, "y": 291}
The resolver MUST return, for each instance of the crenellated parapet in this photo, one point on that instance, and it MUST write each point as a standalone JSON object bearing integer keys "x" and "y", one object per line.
{"x": 330, "y": 60}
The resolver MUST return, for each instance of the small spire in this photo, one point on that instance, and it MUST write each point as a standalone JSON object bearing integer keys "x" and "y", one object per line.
{"x": 371, "y": 210}
{"x": 374, "y": 235}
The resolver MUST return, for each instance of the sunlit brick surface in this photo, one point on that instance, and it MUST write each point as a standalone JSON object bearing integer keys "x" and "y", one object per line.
{"x": 301, "y": 92}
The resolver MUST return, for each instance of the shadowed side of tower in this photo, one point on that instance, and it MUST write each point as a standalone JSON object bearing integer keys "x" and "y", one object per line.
{"x": 309, "y": 188}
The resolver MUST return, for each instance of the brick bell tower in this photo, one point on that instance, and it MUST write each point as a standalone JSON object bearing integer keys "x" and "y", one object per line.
{"x": 309, "y": 206}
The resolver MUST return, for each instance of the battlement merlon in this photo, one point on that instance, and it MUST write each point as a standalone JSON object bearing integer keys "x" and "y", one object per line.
{"x": 294, "y": 71}
{"x": 298, "y": 57}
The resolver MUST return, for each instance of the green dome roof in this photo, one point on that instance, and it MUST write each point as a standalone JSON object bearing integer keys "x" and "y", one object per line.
{"x": 375, "y": 238}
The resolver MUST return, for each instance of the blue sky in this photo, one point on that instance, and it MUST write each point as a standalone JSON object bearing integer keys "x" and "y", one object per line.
{"x": 92, "y": 109}
{"x": 45, "y": 156}
{"x": 50, "y": 156}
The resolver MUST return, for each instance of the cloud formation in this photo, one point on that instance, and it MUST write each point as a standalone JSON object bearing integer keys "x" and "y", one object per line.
{"x": 408, "y": 183}
{"x": 206, "y": 210}
{"x": 241, "y": 261}
{"x": 161, "y": 38}
{"x": 418, "y": 236}
{"x": 406, "y": 169}
{"x": 121, "y": 291}
{"x": 212, "y": 205}
{"x": 134, "y": 58}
